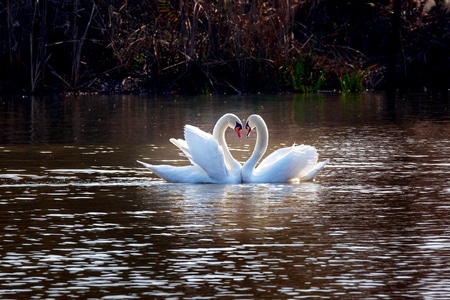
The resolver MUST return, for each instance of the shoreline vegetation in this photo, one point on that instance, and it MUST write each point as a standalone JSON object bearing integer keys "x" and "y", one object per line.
{"x": 194, "y": 47}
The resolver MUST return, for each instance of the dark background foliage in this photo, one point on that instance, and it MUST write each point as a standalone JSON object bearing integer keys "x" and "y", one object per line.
{"x": 222, "y": 46}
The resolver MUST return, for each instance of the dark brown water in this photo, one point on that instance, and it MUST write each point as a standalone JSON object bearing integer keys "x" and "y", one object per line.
{"x": 80, "y": 218}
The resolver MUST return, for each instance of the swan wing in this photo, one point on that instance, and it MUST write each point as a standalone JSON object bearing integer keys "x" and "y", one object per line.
{"x": 206, "y": 152}
{"x": 186, "y": 174}
{"x": 274, "y": 156}
{"x": 286, "y": 164}
{"x": 183, "y": 146}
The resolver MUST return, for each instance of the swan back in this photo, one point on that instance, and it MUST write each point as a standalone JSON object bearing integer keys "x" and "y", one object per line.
{"x": 286, "y": 164}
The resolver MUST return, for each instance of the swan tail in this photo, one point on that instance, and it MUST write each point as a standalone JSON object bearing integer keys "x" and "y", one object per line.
{"x": 162, "y": 171}
{"x": 311, "y": 176}
{"x": 145, "y": 164}
{"x": 152, "y": 168}
{"x": 186, "y": 174}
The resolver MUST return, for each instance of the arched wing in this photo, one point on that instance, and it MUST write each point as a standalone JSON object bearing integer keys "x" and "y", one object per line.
{"x": 206, "y": 152}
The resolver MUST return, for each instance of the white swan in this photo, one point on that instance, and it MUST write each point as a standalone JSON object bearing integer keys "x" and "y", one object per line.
{"x": 296, "y": 163}
{"x": 211, "y": 159}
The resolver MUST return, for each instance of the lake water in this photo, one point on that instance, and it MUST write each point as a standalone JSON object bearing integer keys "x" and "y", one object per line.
{"x": 79, "y": 218}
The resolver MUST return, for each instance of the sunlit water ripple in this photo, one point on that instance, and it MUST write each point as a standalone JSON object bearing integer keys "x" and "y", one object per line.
{"x": 88, "y": 222}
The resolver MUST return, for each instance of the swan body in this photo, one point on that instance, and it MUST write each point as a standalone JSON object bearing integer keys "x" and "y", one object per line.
{"x": 295, "y": 163}
{"x": 211, "y": 160}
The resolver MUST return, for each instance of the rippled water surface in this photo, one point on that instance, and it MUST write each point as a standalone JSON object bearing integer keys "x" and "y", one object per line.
{"x": 80, "y": 218}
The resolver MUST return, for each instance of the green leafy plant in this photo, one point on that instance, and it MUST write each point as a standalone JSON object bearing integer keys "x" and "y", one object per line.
{"x": 352, "y": 82}
{"x": 304, "y": 75}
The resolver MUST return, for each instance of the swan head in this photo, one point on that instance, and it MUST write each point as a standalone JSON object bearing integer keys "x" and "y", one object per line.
{"x": 255, "y": 121}
{"x": 227, "y": 120}
{"x": 251, "y": 123}
{"x": 238, "y": 128}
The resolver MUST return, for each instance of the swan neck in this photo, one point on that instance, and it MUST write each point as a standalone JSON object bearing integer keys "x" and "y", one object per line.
{"x": 221, "y": 126}
{"x": 262, "y": 141}
{"x": 219, "y": 130}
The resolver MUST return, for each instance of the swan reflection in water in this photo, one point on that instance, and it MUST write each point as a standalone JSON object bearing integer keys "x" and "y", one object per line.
{"x": 244, "y": 205}
{"x": 212, "y": 162}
